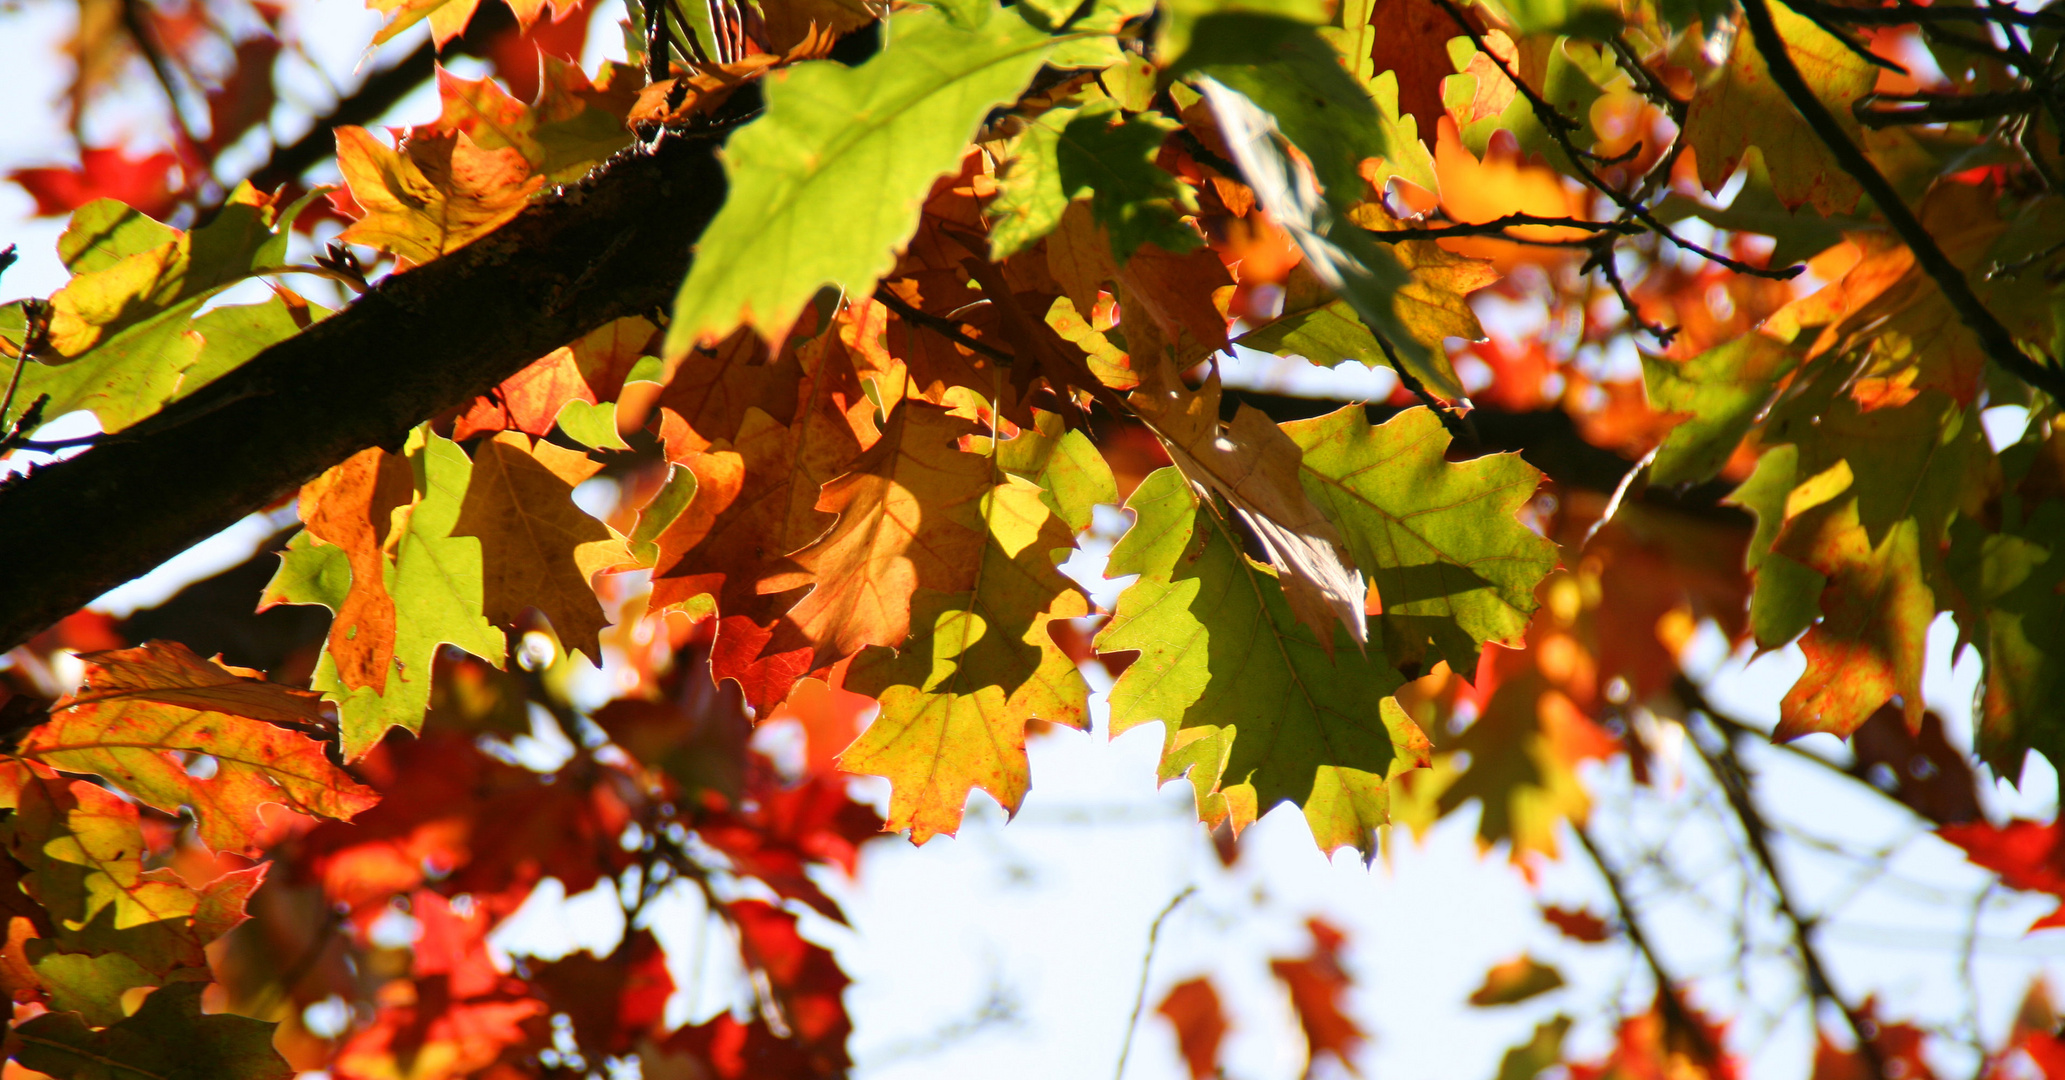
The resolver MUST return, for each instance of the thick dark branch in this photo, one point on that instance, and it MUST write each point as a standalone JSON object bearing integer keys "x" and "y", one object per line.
{"x": 1993, "y": 336}
{"x": 1942, "y": 108}
{"x": 417, "y": 344}
{"x": 1904, "y": 14}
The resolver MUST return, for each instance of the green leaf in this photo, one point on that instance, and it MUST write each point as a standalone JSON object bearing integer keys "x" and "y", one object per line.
{"x": 1288, "y": 71}
{"x": 91, "y": 986}
{"x": 830, "y": 180}
{"x": 123, "y": 327}
{"x": 168, "y": 1039}
{"x": 1337, "y": 252}
{"x": 2015, "y": 580}
{"x": 436, "y": 582}
{"x": 1538, "y": 1055}
{"x": 1515, "y": 981}
{"x": 1094, "y": 151}
{"x": 1452, "y": 564}
{"x": 1574, "y": 75}
{"x": 1073, "y": 477}
{"x": 80, "y": 846}
{"x": 1258, "y": 710}
{"x": 106, "y": 231}
{"x": 1724, "y": 390}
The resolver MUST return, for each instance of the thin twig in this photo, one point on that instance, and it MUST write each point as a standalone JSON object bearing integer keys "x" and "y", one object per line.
{"x": 945, "y": 328}
{"x": 1154, "y": 936}
{"x": 1942, "y": 108}
{"x": 1497, "y": 226}
{"x": 1675, "y": 1016}
{"x": 1995, "y": 338}
{"x": 1458, "y": 425}
{"x": 1559, "y": 128}
{"x": 1904, "y": 14}
{"x": 1728, "y": 772}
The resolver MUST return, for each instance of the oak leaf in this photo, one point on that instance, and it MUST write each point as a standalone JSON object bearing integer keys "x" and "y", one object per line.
{"x": 168, "y": 1039}
{"x": 1744, "y": 108}
{"x": 143, "y": 711}
{"x": 537, "y": 548}
{"x": 1451, "y": 563}
{"x": 431, "y": 194}
{"x": 1253, "y": 464}
{"x": 1257, "y": 709}
{"x": 909, "y": 519}
{"x": 1193, "y": 1009}
{"x": 351, "y": 506}
{"x": 436, "y": 582}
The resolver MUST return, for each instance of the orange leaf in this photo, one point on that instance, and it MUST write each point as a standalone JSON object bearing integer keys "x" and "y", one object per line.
{"x": 143, "y": 712}
{"x": 908, "y": 519}
{"x": 351, "y": 507}
{"x": 432, "y": 194}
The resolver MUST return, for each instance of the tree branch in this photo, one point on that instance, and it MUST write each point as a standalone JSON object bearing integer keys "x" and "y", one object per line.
{"x": 1993, "y": 336}
{"x": 415, "y": 345}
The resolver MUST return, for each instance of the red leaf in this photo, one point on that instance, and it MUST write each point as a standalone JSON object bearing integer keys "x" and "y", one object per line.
{"x": 1576, "y": 925}
{"x": 1200, "y": 1021}
{"x": 144, "y": 183}
{"x": 2028, "y": 855}
{"x": 1317, "y": 984}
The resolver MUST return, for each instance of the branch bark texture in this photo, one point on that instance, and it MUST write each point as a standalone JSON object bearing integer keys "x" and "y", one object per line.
{"x": 419, "y": 343}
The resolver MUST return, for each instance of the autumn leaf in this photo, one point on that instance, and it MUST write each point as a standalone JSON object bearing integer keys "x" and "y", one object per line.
{"x": 1744, "y": 108}
{"x": 351, "y": 506}
{"x": 537, "y": 548}
{"x": 2028, "y": 855}
{"x": 1515, "y": 981}
{"x": 143, "y": 711}
{"x": 1317, "y": 984}
{"x": 1252, "y": 464}
{"x": 168, "y": 1037}
{"x": 1452, "y": 565}
{"x": 123, "y": 327}
{"x": 1258, "y": 710}
{"x": 909, "y": 519}
{"x": 431, "y": 194}
{"x": 81, "y": 848}
{"x": 435, "y": 579}
{"x": 957, "y": 694}
{"x": 141, "y": 183}
{"x": 1193, "y": 1009}
{"x": 830, "y": 178}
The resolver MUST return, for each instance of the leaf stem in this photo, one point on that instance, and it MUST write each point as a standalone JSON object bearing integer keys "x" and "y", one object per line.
{"x": 1993, "y": 337}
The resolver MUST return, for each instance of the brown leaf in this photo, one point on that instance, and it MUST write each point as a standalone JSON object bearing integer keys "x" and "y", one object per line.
{"x": 908, "y": 519}
{"x": 538, "y": 549}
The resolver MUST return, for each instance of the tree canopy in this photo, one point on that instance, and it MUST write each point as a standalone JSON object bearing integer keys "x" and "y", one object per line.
{"x": 770, "y": 376}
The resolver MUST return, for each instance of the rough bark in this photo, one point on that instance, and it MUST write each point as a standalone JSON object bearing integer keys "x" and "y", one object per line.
{"x": 415, "y": 345}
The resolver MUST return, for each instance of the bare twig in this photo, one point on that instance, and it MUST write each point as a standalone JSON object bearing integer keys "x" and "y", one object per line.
{"x": 1154, "y": 936}
{"x": 1942, "y": 108}
{"x": 1728, "y": 772}
{"x": 1903, "y": 14}
{"x": 1994, "y": 337}
{"x": 1675, "y": 1015}
{"x": 1560, "y": 127}
{"x": 945, "y": 328}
